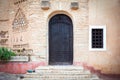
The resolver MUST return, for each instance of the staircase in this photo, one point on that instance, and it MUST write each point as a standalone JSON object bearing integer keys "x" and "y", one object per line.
{"x": 60, "y": 73}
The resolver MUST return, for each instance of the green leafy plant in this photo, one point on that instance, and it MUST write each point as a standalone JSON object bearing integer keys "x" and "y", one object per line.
{"x": 5, "y": 54}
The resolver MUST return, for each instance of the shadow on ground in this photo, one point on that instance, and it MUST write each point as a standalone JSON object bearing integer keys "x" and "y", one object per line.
{"x": 109, "y": 77}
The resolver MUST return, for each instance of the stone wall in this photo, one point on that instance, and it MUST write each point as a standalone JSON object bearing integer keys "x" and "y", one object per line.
{"x": 40, "y": 32}
{"x": 90, "y": 12}
{"x": 4, "y": 20}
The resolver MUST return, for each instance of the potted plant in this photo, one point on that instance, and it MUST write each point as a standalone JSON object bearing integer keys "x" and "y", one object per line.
{"x": 5, "y": 54}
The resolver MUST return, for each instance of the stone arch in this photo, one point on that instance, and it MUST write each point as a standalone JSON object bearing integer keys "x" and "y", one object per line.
{"x": 59, "y": 12}
{"x": 50, "y": 15}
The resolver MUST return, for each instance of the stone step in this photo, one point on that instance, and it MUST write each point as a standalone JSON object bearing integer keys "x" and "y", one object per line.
{"x": 60, "y": 73}
{"x": 55, "y": 69}
{"x": 59, "y": 68}
{"x": 61, "y": 78}
{"x": 58, "y": 79}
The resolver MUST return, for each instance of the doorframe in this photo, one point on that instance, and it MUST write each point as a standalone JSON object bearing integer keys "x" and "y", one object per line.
{"x": 47, "y": 32}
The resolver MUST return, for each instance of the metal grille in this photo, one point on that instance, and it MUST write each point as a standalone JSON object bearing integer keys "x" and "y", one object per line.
{"x": 97, "y": 38}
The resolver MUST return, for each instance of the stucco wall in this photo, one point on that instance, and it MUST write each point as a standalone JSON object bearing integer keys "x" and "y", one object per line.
{"x": 105, "y": 12}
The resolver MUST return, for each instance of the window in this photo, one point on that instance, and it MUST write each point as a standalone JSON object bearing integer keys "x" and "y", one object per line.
{"x": 97, "y": 38}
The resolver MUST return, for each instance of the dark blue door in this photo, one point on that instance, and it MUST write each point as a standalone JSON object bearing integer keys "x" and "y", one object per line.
{"x": 60, "y": 40}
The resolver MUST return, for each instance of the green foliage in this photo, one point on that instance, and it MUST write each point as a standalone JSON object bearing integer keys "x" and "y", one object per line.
{"x": 5, "y": 54}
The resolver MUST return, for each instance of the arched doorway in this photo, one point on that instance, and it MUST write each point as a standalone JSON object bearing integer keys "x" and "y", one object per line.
{"x": 60, "y": 40}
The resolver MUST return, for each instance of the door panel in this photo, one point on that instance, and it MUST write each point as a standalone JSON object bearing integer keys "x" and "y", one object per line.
{"x": 60, "y": 40}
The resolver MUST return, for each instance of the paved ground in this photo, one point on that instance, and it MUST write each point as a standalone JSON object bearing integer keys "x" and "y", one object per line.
{"x": 109, "y": 77}
{"x": 6, "y": 76}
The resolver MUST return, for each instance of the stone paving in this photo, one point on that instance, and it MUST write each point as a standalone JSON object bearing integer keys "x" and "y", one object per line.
{"x": 6, "y": 76}
{"x": 109, "y": 77}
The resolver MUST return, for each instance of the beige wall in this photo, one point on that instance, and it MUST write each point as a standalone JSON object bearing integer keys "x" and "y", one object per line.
{"x": 94, "y": 12}
{"x": 106, "y": 12}
{"x": 4, "y": 18}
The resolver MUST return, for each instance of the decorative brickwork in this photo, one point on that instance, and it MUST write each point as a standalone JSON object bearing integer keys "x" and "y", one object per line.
{"x": 19, "y": 1}
{"x": 4, "y": 37}
{"x": 20, "y": 22}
